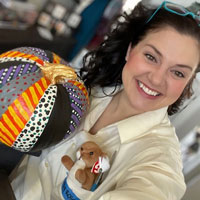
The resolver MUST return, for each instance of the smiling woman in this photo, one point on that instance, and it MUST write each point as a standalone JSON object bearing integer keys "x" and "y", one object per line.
{"x": 139, "y": 75}
{"x": 138, "y": 26}
{"x": 158, "y": 69}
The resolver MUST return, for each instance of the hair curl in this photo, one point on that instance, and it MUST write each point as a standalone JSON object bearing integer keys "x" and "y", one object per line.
{"x": 103, "y": 66}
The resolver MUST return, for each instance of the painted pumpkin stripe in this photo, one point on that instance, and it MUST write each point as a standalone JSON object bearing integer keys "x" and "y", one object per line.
{"x": 5, "y": 130}
{"x": 26, "y": 68}
{"x": 17, "y": 128}
{"x": 19, "y": 54}
{"x": 7, "y": 127}
{"x": 41, "y": 85}
{"x": 1, "y": 72}
{"x": 28, "y": 101}
{"x": 30, "y": 97}
{"x": 17, "y": 71}
{"x": 45, "y": 82}
{"x": 7, "y": 54}
{"x": 21, "y": 110}
{"x": 11, "y": 54}
{"x": 15, "y": 115}
{"x": 35, "y": 58}
{"x": 7, "y": 74}
{"x": 16, "y": 54}
{"x": 13, "y": 128}
{"x": 36, "y": 91}
{"x": 16, "y": 111}
{"x": 39, "y": 89}
{"x": 26, "y": 105}
{"x": 22, "y": 55}
{"x": 4, "y": 139}
{"x": 4, "y": 54}
{"x": 34, "y": 68}
{"x": 34, "y": 95}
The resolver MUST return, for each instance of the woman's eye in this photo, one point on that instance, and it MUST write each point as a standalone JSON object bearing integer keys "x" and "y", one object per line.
{"x": 91, "y": 153}
{"x": 179, "y": 74}
{"x": 150, "y": 57}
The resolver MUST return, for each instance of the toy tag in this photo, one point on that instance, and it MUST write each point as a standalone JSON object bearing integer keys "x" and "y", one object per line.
{"x": 101, "y": 165}
{"x": 96, "y": 167}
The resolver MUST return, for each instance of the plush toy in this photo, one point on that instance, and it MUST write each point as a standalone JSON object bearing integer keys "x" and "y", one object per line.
{"x": 91, "y": 161}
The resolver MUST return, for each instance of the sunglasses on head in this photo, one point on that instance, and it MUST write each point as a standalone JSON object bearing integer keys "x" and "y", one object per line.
{"x": 176, "y": 9}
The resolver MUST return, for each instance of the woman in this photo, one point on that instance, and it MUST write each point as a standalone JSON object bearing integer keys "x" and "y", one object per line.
{"x": 141, "y": 73}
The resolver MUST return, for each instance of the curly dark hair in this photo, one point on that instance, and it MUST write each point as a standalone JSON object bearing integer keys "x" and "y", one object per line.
{"x": 103, "y": 66}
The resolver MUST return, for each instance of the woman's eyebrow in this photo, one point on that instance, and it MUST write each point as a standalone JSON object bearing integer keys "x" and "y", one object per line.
{"x": 184, "y": 66}
{"x": 160, "y": 54}
{"x": 155, "y": 49}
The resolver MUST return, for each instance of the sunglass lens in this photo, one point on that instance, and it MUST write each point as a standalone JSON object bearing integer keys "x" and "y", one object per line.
{"x": 175, "y": 8}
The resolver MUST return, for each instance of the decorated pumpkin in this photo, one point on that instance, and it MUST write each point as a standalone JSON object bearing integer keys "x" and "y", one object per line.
{"x": 42, "y": 99}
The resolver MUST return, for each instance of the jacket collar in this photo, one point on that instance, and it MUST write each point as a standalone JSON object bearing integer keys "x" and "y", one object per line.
{"x": 139, "y": 125}
{"x": 132, "y": 127}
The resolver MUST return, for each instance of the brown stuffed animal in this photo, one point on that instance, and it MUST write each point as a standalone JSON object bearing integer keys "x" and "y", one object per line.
{"x": 90, "y": 161}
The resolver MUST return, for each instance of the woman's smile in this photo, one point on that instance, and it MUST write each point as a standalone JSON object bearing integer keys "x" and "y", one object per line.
{"x": 149, "y": 92}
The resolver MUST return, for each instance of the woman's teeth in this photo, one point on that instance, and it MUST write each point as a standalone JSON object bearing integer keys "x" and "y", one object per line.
{"x": 147, "y": 90}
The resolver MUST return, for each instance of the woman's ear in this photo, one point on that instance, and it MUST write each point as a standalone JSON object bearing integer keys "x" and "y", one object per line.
{"x": 128, "y": 52}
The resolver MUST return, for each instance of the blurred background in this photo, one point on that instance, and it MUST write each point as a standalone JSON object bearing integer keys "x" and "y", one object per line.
{"x": 71, "y": 28}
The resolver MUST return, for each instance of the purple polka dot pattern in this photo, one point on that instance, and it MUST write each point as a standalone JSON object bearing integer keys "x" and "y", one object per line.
{"x": 13, "y": 72}
{"x": 78, "y": 105}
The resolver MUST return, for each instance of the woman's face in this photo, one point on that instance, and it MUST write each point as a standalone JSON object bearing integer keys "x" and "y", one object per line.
{"x": 158, "y": 68}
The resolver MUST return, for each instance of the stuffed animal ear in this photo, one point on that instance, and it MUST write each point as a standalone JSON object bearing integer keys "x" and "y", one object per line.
{"x": 103, "y": 154}
{"x": 104, "y": 163}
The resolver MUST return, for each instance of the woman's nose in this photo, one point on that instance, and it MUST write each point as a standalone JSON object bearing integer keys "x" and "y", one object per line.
{"x": 158, "y": 76}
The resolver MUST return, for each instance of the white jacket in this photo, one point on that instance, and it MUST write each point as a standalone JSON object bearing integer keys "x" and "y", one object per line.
{"x": 146, "y": 166}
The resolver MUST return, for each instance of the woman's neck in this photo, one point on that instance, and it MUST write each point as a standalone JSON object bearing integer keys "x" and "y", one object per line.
{"x": 121, "y": 107}
{"x": 117, "y": 110}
